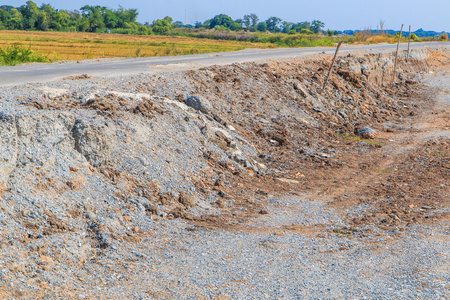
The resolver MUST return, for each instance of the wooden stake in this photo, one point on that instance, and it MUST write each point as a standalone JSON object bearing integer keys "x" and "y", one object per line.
{"x": 331, "y": 66}
{"x": 409, "y": 44}
{"x": 396, "y": 54}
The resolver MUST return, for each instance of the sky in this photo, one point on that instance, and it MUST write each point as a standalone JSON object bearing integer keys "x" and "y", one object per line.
{"x": 336, "y": 14}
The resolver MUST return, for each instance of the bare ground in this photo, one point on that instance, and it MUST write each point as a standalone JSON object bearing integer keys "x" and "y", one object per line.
{"x": 326, "y": 213}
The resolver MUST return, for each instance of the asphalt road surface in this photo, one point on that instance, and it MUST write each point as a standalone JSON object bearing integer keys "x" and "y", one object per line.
{"x": 39, "y": 73}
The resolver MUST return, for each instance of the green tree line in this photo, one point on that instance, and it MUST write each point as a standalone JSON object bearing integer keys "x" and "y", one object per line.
{"x": 87, "y": 19}
{"x": 100, "y": 19}
{"x": 252, "y": 23}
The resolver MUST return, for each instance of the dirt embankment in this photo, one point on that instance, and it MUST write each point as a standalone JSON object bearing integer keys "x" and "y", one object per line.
{"x": 313, "y": 140}
{"x": 93, "y": 166}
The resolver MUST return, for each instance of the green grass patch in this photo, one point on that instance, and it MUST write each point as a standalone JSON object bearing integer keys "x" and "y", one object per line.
{"x": 382, "y": 171}
{"x": 357, "y": 139}
{"x": 12, "y": 55}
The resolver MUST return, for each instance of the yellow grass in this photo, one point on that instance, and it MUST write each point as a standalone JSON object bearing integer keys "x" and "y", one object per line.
{"x": 77, "y": 46}
{"x": 376, "y": 39}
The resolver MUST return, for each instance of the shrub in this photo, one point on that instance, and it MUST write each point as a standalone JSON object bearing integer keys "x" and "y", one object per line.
{"x": 305, "y": 31}
{"x": 15, "y": 54}
{"x": 444, "y": 37}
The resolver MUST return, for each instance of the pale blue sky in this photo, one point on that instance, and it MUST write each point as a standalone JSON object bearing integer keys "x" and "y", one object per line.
{"x": 336, "y": 14}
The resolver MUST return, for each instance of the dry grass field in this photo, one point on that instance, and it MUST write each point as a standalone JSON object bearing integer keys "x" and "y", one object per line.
{"x": 77, "y": 46}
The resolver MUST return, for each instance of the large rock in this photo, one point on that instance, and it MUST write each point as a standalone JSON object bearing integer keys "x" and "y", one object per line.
{"x": 301, "y": 90}
{"x": 44, "y": 126}
{"x": 367, "y": 133}
{"x": 42, "y": 135}
{"x": 93, "y": 139}
{"x": 200, "y": 103}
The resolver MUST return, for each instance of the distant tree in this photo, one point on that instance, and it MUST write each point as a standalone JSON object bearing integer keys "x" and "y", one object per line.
{"x": 111, "y": 19}
{"x": 206, "y": 24}
{"x": 168, "y": 19}
{"x": 254, "y": 19}
{"x": 225, "y": 21}
{"x": 126, "y": 15}
{"x": 53, "y": 19}
{"x": 246, "y": 22}
{"x": 250, "y": 22}
{"x": 16, "y": 18}
{"x": 4, "y": 18}
{"x": 95, "y": 15}
{"x": 42, "y": 21}
{"x": 236, "y": 26}
{"x": 316, "y": 26}
{"x": 162, "y": 26}
{"x": 286, "y": 27}
{"x": 262, "y": 26}
{"x": 29, "y": 13}
{"x": 83, "y": 24}
{"x": 302, "y": 25}
{"x": 178, "y": 24}
{"x": 272, "y": 24}
{"x": 143, "y": 29}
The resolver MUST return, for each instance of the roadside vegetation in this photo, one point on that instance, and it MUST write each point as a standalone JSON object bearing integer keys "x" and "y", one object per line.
{"x": 54, "y": 46}
{"x": 15, "y": 54}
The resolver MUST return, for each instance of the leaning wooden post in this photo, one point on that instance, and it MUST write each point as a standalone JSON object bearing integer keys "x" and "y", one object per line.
{"x": 409, "y": 44}
{"x": 331, "y": 66}
{"x": 396, "y": 54}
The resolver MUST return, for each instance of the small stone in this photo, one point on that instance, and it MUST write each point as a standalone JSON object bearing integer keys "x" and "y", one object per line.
{"x": 367, "y": 133}
{"x": 199, "y": 103}
{"x": 232, "y": 144}
{"x": 343, "y": 114}
{"x": 298, "y": 87}
{"x": 206, "y": 130}
{"x": 426, "y": 207}
{"x": 177, "y": 213}
{"x": 221, "y": 135}
{"x": 186, "y": 200}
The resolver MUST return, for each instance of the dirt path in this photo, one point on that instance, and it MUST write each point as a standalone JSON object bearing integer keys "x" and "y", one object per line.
{"x": 412, "y": 161}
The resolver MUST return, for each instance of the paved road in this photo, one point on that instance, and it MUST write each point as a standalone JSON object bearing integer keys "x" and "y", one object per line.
{"x": 38, "y": 73}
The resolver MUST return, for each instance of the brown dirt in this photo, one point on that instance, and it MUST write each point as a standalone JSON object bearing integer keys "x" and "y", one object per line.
{"x": 402, "y": 174}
